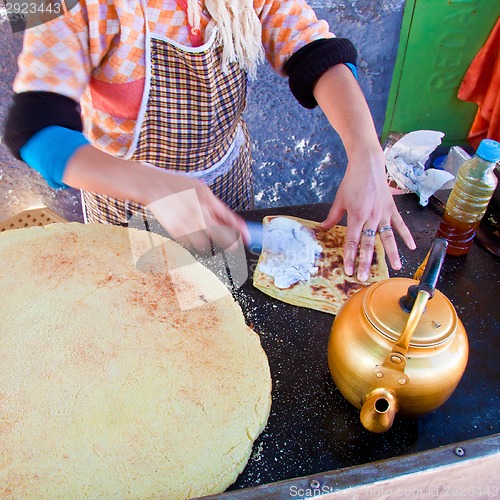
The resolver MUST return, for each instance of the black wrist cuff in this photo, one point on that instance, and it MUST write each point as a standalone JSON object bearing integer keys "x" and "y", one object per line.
{"x": 33, "y": 111}
{"x": 311, "y": 61}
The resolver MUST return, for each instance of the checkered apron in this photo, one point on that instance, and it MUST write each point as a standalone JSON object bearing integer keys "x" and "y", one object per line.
{"x": 192, "y": 124}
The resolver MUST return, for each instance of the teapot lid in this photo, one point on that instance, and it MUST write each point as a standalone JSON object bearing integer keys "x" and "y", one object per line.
{"x": 382, "y": 309}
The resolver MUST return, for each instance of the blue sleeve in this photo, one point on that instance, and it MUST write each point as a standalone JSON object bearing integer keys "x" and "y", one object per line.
{"x": 353, "y": 69}
{"x": 49, "y": 150}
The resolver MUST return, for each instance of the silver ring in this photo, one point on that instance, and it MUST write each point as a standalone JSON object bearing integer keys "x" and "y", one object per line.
{"x": 369, "y": 232}
{"x": 385, "y": 228}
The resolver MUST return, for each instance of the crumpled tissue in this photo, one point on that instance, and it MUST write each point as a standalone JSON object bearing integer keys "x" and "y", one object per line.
{"x": 405, "y": 163}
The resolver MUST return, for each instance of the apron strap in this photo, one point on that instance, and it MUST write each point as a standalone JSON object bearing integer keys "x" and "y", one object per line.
{"x": 195, "y": 34}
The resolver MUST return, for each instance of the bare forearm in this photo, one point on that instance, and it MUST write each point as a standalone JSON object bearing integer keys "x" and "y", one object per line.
{"x": 340, "y": 97}
{"x": 93, "y": 170}
{"x": 184, "y": 206}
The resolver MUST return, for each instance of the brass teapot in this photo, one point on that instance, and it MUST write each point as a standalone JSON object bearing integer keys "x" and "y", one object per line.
{"x": 394, "y": 350}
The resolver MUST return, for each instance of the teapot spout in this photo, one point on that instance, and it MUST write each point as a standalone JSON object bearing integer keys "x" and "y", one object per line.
{"x": 378, "y": 411}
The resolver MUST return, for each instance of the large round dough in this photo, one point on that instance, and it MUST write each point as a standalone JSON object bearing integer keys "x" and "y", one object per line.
{"x": 110, "y": 388}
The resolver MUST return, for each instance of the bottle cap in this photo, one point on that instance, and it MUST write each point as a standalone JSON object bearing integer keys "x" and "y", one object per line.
{"x": 489, "y": 150}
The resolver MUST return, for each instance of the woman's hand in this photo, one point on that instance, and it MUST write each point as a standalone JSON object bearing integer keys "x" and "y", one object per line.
{"x": 195, "y": 217}
{"x": 366, "y": 197}
{"x": 363, "y": 193}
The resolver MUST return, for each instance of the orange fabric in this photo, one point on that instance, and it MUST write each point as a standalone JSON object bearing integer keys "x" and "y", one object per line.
{"x": 481, "y": 85}
{"x": 122, "y": 100}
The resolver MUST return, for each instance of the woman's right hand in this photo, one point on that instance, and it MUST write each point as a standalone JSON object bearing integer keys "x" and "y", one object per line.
{"x": 195, "y": 217}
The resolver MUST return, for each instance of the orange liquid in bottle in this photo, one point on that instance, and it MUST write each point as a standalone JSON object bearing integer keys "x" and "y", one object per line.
{"x": 466, "y": 205}
{"x": 460, "y": 235}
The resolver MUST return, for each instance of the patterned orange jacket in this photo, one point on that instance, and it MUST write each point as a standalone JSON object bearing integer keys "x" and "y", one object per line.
{"x": 95, "y": 55}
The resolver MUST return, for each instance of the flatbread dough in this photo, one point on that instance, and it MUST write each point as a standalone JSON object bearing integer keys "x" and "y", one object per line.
{"x": 110, "y": 389}
{"x": 330, "y": 287}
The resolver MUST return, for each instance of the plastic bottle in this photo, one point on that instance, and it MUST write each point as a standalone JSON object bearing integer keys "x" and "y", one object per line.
{"x": 469, "y": 198}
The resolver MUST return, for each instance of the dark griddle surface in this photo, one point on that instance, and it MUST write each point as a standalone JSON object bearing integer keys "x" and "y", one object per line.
{"x": 312, "y": 428}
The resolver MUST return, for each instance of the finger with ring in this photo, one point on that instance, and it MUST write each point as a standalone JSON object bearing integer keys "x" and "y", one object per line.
{"x": 385, "y": 228}
{"x": 370, "y": 233}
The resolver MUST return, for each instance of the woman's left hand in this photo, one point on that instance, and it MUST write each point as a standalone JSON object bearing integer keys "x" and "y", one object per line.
{"x": 365, "y": 195}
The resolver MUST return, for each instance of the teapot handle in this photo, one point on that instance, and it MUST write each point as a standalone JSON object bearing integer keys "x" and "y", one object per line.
{"x": 428, "y": 273}
{"x": 417, "y": 296}
{"x": 433, "y": 267}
